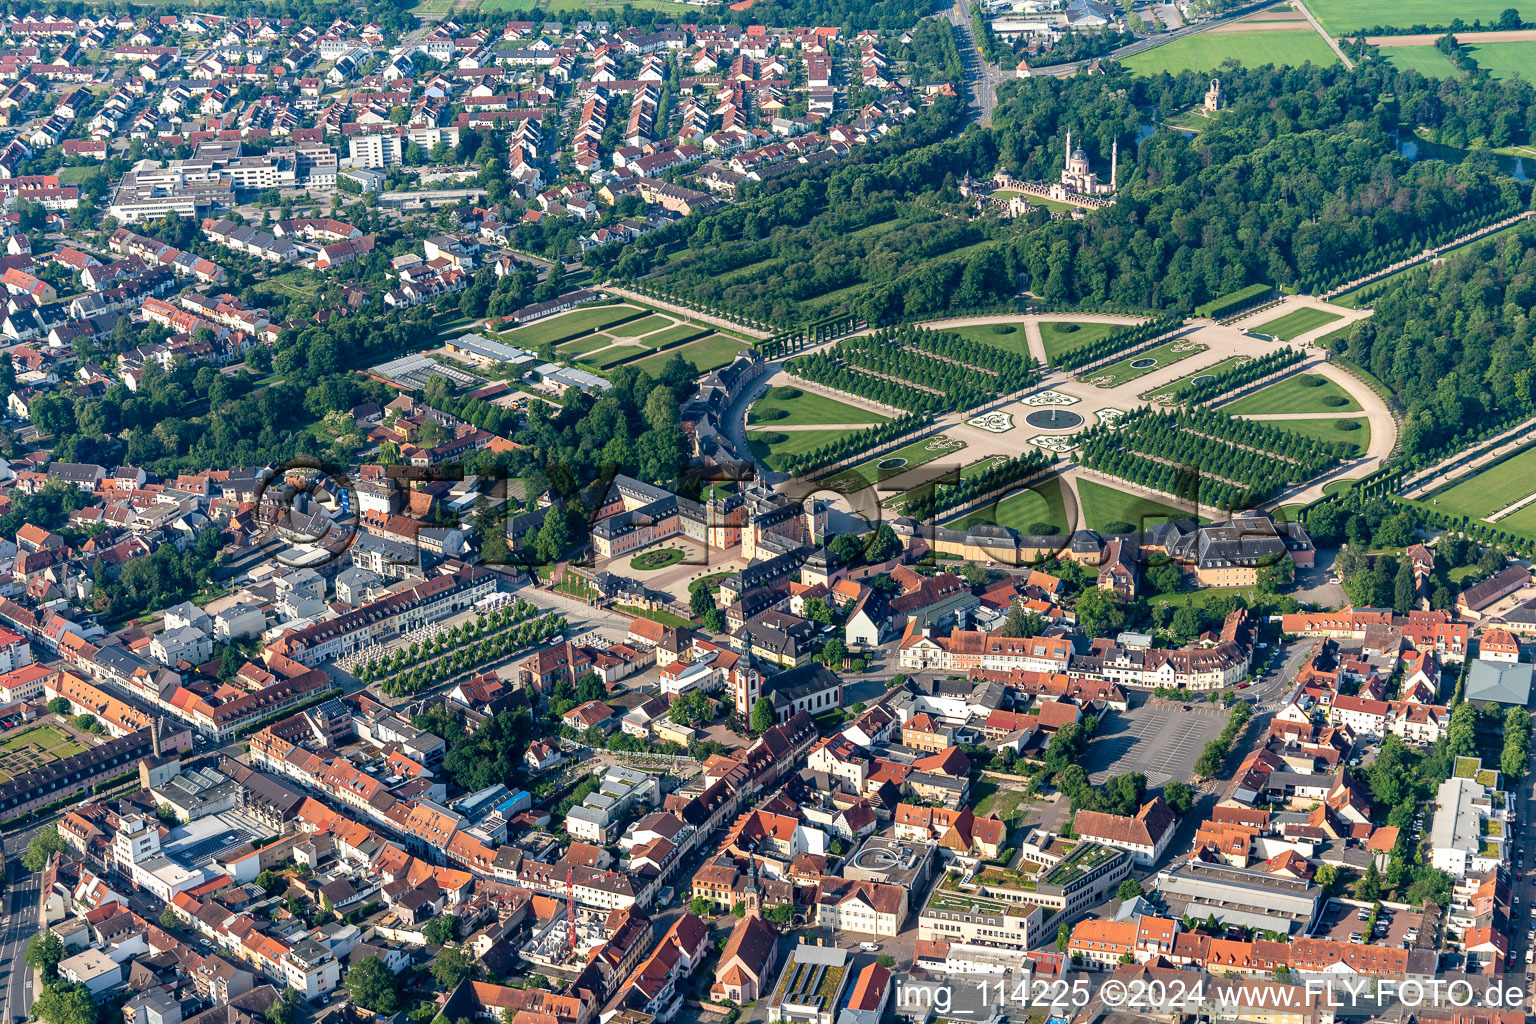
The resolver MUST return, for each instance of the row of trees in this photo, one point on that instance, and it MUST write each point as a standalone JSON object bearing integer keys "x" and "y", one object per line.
{"x": 1228, "y": 381}
{"x": 1209, "y": 763}
{"x": 925, "y": 505}
{"x": 857, "y": 442}
{"x": 466, "y": 656}
{"x": 1117, "y": 341}
{"x": 1193, "y": 452}
{"x": 1014, "y": 371}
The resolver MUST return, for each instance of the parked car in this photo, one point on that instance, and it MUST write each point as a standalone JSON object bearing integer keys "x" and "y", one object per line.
{"x": 870, "y": 947}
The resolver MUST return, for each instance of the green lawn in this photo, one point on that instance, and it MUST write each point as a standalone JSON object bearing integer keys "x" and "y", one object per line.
{"x": 1296, "y": 323}
{"x": 1061, "y": 336}
{"x": 1491, "y": 489}
{"x": 74, "y": 175}
{"x": 644, "y": 325}
{"x": 1105, "y": 507}
{"x": 1341, "y": 16}
{"x": 570, "y": 325}
{"x": 655, "y": 615}
{"x": 1039, "y": 510}
{"x": 1336, "y": 486}
{"x": 916, "y": 454}
{"x": 1328, "y": 430}
{"x": 796, "y": 442}
{"x": 1522, "y": 522}
{"x": 673, "y": 335}
{"x": 1426, "y": 60}
{"x": 988, "y": 799}
{"x": 1209, "y": 49}
{"x": 1203, "y": 596}
{"x": 581, "y": 346}
{"x": 708, "y": 353}
{"x": 1293, "y": 395}
{"x": 1181, "y": 385}
{"x": 611, "y": 357}
{"x": 804, "y": 407}
{"x": 996, "y": 335}
{"x": 1123, "y": 371}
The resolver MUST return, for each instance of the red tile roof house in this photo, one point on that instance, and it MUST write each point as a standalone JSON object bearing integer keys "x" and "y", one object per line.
{"x": 1145, "y": 836}
{"x": 593, "y": 712}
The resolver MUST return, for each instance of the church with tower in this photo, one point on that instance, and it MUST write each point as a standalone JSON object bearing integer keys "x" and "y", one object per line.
{"x": 1078, "y": 180}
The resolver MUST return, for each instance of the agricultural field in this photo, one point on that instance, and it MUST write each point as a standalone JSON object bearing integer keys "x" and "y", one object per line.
{"x": 1357, "y": 434}
{"x": 792, "y": 407}
{"x": 1491, "y": 489}
{"x": 1142, "y": 363}
{"x": 1209, "y": 49}
{"x": 1039, "y": 510}
{"x": 1343, "y": 16}
{"x": 1505, "y": 59}
{"x": 1296, "y": 323}
{"x": 1298, "y": 393}
{"x": 1108, "y": 510}
{"x": 1426, "y": 60}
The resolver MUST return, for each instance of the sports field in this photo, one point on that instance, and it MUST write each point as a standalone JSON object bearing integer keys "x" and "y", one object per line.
{"x": 1296, "y": 323}
{"x": 1359, "y": 436}
{"x": 1342, "y": 16}
{"x": 1209, "y": 49}
{"x": 1295, "y": 394}
{"x": 26, "y": 749}
{"x": 793, "y": 406}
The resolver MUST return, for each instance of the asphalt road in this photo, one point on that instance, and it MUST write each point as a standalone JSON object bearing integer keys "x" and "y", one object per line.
{"x": 23, "y": 890}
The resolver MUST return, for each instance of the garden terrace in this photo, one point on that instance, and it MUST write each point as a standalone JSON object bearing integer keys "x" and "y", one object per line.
{"x": 959, "y": 902}
{"x": 1228, "y": 462}
{"x": 1083, "y": 860}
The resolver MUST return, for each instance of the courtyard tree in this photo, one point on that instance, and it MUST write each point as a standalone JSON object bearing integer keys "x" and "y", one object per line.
{"x": 42, "y": 846}
{"x": 371, "y": 985}
{"x": 762, "y": 715}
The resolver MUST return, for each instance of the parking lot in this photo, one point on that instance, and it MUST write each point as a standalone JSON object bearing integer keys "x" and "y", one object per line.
{"x": 1157, "y": 738}
{"x": 1343, "y": 922}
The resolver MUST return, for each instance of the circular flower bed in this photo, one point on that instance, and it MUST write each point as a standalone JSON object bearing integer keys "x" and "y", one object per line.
{"x": 647, "y": 561}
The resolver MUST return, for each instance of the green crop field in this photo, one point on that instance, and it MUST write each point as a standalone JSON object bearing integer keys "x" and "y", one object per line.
{"x": 1123, "y": 371}
{"x": 1328, "y": 430}
{"x": 1491, "y": 489}
{"x": 1296, "y": 323}
{"x": 708, "y": 353}
{"x": 1293, "y": 395}
{"x": 1107, "y": 510}
{"x": 1209, "y": 49}
{"x": 570, "y": 325}
{"x": 1426, "y": 60}
{"x": 795, "y": 442}
{"x": 1505, "y": 60}
{"x": 1035, "y": 511}
{"x": 806, "y": 408}
{"x": 1341, "y": 16}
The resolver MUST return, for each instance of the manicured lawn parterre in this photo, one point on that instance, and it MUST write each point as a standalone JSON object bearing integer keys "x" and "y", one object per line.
{"x": 1061, "y": 336}
{"x": 581, "y": 346}
{"x": 1209, "y": 49}
{"x": 570, "y": 325}
{"x": 656, "y": 558}
{"x": 673, "y": 335}
{"x": 1009, "y": 337}
{"x": 1178, "y": 387}
{"x": 644, "y": 325}
{"x": 803, "y": 407}
{"x": 770, "y": 447}
{"x": 1036, "y": 511}
{"x": 1330, "y": 430}
{"x": 1108, "y": 510}
{"x": 1491, "y": 489}
{"x": 1296, "y": 323}
{"x": 894, "y": 463}
{"x": 708, "y": 353}
{"x": 1296, "y": 394}
{"x": 1142, "y": 363}
{"x": 655, "y": 615}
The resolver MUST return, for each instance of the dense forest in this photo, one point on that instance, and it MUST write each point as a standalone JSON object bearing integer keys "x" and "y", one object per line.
{"x": 1455, "y": 344}
{"x": 1297, "y": 183}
